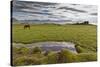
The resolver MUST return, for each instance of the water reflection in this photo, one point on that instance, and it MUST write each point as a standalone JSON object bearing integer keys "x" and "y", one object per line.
{"x": 46, "y": 46}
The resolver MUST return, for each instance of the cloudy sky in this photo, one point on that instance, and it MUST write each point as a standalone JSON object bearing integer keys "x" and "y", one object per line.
{"x": 42, "y": 11}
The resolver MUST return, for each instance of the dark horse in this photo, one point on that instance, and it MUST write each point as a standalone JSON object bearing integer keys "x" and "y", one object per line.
{"x": 27, "y": 26}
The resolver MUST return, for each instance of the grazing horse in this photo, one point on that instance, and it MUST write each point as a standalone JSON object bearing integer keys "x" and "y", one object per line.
{"x": 27, "y": 26}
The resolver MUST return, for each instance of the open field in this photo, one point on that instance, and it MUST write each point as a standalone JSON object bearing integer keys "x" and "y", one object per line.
{"x": 83, "y": 36}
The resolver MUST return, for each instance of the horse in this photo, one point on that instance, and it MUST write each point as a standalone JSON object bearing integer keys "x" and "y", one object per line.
{"x": 27, "y": 26}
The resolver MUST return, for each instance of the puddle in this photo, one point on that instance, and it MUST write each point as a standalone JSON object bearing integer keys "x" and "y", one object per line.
{"x": 45, "y": 46}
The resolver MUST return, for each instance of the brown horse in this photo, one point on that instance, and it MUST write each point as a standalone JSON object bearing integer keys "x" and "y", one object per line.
{"x": 27, "y": 26}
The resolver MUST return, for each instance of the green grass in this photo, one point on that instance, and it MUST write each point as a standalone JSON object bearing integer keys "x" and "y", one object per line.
{"x": 37, "y": 58}
{"x": 84, "y": 36}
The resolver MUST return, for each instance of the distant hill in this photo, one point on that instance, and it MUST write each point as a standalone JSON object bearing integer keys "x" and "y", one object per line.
{"x": 46, "y": 21}
{"x": 14, "y": 19}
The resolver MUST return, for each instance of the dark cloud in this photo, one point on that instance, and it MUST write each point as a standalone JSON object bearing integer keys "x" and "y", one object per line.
{"x": 56, "y": 16}
{"x": 52, "y": 11}
{"x": 17, "y": 6}
{"x": 45, "y": 10}
{"x": 72, "y": 9}
{"x": 45, "y": 3}
{"x": 94, "y": 14}
{"x": 75, "y": 4}
{"x": 40, "y": 3}
{"x": 41, "y": 13}
{"x": 20, "y": 5}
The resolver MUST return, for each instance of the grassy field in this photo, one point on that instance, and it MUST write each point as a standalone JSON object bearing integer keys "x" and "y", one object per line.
{"x": 84, "y": 37}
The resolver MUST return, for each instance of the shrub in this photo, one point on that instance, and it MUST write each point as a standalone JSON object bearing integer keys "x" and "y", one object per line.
{"x": 36, "y": 50}
{"x": 61, "y": 57}
{"x": 68, "y": 56}
{"x": 22, "y": 50}
{"x": 51, "y": 58}
{"x": 47, "y": 52}
{"x": 86, "y": 22}
{"x": 83, "y": 57}
{"x": 79, "y": 49}
{"x": 25, "y": 60}
{"x": 83, "y": 23}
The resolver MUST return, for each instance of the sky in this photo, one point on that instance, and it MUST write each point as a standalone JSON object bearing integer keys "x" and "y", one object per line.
{"x": 45, "y": 11}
